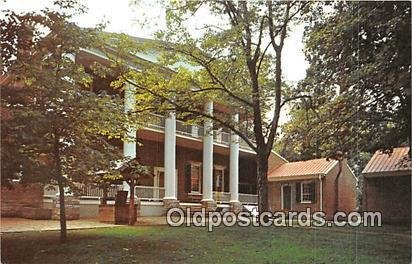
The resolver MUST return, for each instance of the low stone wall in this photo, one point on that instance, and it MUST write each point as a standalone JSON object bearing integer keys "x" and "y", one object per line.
{"x": 106, "y": 213}
{"x": 90, "y": 208}
{"x": 16, "y": 200}
{"x": 72, "y": 208}
{"x": 36, "y": 213}
{"x": 151, "y": 209}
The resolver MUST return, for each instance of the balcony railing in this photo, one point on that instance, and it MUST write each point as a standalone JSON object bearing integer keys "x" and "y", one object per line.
{"x": 98, "y": 192}
{"x": 246, "y": 198}
{"x": 243, "y": 197}
{"x": 221, "y": 196}
{"x": 85, "y": 190}
{"x": 150, "y": 193}
{"x": 194, "y": 131}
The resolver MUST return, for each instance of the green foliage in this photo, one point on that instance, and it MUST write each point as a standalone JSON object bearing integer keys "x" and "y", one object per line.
{"x": 232, "y": 62}
{"x": 55, "y": 124}
{"x": 359, "y": 82}
{"x": 132, "y": 170}
{"x": 234, "y": 59}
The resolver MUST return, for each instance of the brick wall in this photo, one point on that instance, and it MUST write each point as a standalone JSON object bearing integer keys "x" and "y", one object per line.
{"x": 389, "y": 195}
{"x": 347, "y": 193}
{"x": 13, "y": 200}
{"x": 151, "y": 153}
{"x": 275, "y": 197}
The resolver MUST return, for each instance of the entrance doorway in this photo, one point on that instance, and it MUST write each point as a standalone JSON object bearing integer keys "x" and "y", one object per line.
{"x": 158, "y": 181}
{"x": 286, "y": 197}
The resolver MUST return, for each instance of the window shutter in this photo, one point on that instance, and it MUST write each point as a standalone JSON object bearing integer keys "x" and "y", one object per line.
{"x": 226, "y": 181}
{"x": 298, "y": 192}
{"x": 214, "y": 183}
{"x": 201, "y": 178}
{"x": 188, "y": 177}
{"x": 313, "y": 195}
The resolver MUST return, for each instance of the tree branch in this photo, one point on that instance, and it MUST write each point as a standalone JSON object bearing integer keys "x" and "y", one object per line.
{"x": 205, "y": 65}
{"x": 294, "y": 98}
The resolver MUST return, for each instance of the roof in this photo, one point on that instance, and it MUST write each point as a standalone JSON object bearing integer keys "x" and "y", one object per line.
{"x": 302, "y": 169}
{"x": 395, "y": 162}
{"x": 146, "y": 54}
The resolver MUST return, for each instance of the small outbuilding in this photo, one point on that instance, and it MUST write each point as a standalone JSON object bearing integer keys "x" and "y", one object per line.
{"x": 387, "y": 185}
{"x": 319, "y": 184}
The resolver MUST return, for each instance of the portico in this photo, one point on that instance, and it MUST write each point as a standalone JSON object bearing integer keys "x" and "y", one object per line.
{"x": 202, "y": 179}
{"x": 207, "y": 164}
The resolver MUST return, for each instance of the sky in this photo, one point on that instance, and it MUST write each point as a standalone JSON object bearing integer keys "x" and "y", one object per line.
{"x": 121, "y": 17}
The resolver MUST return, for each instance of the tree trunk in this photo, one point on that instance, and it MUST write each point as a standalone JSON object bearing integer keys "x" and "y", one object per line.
{"x": 60, "y": 182}
{"x": 63, "y": 227}
{"x": 104, "y": 198}
{"x": 132, "y": 219}
{"x": 262, "y": 183}
{"x": 336, "y": 183}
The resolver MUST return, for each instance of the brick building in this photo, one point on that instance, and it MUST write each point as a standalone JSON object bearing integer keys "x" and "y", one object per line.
{"x": 387, "y": 185}
{"x": 316, "y": 184}
{"x": 192, "y": 164}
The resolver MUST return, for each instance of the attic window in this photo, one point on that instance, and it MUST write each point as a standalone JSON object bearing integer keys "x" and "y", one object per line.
{"x": 307, "y": 192}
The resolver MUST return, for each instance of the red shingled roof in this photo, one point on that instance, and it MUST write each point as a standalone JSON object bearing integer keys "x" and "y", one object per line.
{"x": 303, "y": 168}
{"x": 397, "y": 161}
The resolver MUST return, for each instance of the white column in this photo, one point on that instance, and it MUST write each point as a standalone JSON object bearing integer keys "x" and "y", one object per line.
{"x": 208, "y": 155}
{"x": 129, "y": 146}
{"x": 170, "y": 157}
{"x": 320, "y": 193}
{"x": 234, "y": 163}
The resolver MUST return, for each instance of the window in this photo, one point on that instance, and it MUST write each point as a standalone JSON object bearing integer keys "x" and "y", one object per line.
{"x": 195, "y": 177}
{"x": 307, "y": 192}
{"x": 218, "y": 178}
{"x": 159, "y": 177}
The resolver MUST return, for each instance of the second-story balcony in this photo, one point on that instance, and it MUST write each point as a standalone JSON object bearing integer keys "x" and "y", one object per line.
{"x": 157, "y": 122}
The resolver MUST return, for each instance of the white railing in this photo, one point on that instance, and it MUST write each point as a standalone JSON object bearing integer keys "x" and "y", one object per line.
{"x": 150, "y": 193}
{"x": 221, "y": 137}
{"x": 158, "y": 122}
{"x": 243, "y": 197}
{"x": 98, "y": 192}
{"x": 85, "y": 190}
{"x": 221, "y": 196}
{"x": 248, "y": 198}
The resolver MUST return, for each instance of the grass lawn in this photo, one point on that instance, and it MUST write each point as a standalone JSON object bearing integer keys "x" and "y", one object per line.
{"x": 164, "y": 244}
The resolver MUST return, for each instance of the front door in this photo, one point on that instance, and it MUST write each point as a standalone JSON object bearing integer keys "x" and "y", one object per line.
{"x": 159, "y": 182}
{"x": 286, "y": 197}
{"x": 159, "y": 179}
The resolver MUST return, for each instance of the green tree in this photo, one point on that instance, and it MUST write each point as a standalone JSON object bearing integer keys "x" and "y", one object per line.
{"x": 235, "y": 62}
{"x": 131, "y": 172}
{"x": 57, "y": 127}
{"x": 359, "y": 83}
